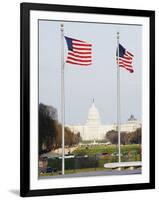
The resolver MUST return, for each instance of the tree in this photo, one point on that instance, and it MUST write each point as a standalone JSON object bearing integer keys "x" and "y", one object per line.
{"x": 47, "y": 128}
{"x": 50, "y": 131}
{"x": 112, "y": 136}
{"x": 135, "y": 137}
{"x": 124, "y": 138}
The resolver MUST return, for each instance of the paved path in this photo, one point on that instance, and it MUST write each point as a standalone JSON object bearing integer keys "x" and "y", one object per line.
{"x": 96, "y": 173}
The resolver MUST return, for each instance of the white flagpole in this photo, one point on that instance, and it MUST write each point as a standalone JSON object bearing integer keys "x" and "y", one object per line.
{"x": 62, "y": 99}
{"x": 118, "y": 100}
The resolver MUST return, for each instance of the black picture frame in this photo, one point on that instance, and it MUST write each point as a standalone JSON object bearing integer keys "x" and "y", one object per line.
{"x": 25, "y": 9}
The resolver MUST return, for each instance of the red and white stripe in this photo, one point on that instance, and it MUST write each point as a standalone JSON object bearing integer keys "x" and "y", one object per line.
{"x": 81, "y": 53}
{"x": 126, "y": 61}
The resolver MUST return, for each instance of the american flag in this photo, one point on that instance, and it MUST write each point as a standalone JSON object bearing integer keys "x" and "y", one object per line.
{"x": 79, "y": 52}
{"x": 125, "y": 59}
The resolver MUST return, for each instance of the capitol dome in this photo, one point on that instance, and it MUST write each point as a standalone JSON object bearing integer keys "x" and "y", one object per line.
{"x": 93, "y": 130}
{"x": 93, "y": 116}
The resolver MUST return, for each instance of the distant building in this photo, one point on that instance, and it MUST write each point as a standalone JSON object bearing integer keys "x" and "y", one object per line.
{"x": 94, "y": 130}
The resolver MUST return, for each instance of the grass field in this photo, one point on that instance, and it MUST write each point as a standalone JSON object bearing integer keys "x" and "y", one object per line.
{"x": 97, "y": 156}
{"x": 110, "y": 149}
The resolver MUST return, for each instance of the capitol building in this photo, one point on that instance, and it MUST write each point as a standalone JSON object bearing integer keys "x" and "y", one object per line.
{"x": 95, "y": 130}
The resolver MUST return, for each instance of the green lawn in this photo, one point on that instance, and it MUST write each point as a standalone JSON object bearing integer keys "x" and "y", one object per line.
{"x": 95, "y": 159}
{"x": 91, "y": 150}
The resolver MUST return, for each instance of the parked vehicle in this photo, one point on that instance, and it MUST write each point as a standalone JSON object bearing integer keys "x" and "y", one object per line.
{"x": 48, "y": 170}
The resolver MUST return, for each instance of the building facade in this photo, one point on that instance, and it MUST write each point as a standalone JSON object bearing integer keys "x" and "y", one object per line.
{"x": 95, "y": 130}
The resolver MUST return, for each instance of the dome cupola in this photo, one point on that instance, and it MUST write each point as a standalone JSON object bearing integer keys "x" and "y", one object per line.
{"x": 93, "y": 115}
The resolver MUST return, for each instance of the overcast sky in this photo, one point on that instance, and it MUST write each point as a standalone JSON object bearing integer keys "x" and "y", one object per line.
{"x": 97, "y": 81}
